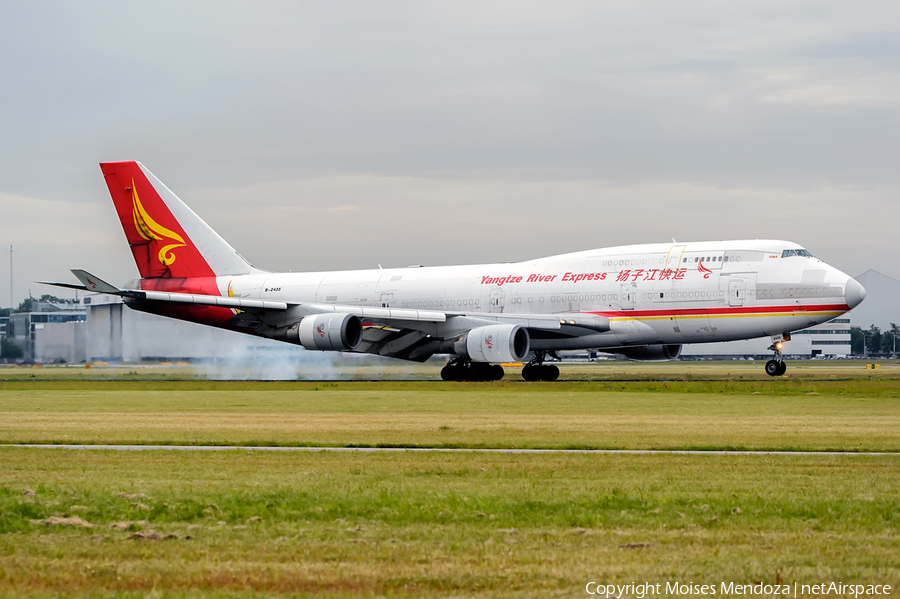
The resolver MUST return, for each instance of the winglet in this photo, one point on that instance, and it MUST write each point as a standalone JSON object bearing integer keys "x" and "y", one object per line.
{"x": 95, "y": 284}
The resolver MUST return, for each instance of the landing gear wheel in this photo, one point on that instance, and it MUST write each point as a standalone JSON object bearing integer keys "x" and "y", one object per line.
{"x": 775, "y": 368}
{"x": 479, "y": 371}
{"x": 540, "y": 372}
{"x": 549, "y": 372}
{"x": 460, "y": 370}
{"x": 450, "y": 372}
{"x": 457, "y": 370}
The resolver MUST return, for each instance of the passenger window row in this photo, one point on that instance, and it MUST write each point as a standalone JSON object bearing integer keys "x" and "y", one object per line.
{"x": 441, "y": 303}
{"x": 712, "y": 259}
{"x": 792, "y": 291}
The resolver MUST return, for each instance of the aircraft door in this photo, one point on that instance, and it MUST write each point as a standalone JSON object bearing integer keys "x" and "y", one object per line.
{"x": 628, "y": 294}
{"x": 496, "y": 300}
{"x": 673, "y": 260}
{"x": 737, "y": 292}
{"x": 387, "y": 299}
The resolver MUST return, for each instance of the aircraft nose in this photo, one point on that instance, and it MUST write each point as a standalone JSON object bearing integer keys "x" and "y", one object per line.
{"x": 854, "y": 293}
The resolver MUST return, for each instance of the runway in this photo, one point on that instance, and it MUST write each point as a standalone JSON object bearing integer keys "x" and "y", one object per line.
{"x": 443, "y": 450}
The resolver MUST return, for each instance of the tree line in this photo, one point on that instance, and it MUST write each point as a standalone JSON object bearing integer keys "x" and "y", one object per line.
{"x": 873, "y": 340}
{"x": 28, "y": 303}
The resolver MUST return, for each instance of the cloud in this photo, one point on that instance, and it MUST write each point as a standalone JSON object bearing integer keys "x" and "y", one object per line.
{"x": 411, "y": 220}
{"x": 342, "y": 135}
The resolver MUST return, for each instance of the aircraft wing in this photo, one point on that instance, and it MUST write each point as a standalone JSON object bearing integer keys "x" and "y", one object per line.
{"x": 418, "y": 341}
{"x": 399, "y": 333}
{"x": 379, "y": 316}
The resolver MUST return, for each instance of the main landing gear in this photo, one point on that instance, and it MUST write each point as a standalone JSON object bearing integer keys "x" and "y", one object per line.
{"x": 536, "y": 370}
{"x": 466, "y": 370}
{"x": 462, "y": 369}
{"x": 777, "y": 367}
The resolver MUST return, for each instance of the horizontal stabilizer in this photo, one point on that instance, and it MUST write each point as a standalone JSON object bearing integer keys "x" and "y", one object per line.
{"x": 88, "y": 283}
{"x": 64, "y": 285}
{"x": 95, "y": 284}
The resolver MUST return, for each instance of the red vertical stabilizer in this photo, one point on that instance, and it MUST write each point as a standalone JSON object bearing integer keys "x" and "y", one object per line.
{"x": 167, "y": 238}
{"x": 160, "y": 245}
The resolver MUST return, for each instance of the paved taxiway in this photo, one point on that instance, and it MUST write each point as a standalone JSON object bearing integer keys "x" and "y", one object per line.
{"x": 438, "y": 450}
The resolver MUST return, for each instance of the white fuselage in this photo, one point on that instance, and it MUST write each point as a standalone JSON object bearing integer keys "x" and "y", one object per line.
{"x": 658, "y": 293}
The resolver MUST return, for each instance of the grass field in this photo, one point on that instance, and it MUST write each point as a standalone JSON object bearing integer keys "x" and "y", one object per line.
{"x": 438, "y": 525}
{"x": 799, "y": 413}
{"x": 256, "y": 524}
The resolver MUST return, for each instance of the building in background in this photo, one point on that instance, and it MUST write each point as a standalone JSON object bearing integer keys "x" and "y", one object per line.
{"x": 828, "y": 340}
{"x": 51, "y": 332}
{"x": 882, "y": 305}
{"x": 116, "y": 333}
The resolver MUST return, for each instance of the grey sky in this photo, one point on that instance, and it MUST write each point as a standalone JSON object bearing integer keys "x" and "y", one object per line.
{"x": 342, "y": 135}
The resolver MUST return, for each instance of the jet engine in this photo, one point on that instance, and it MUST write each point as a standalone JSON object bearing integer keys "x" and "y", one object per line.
{"x": 324, "y": 332}
{"x": 650, "y": 353}
{"x": 494, "y": 343}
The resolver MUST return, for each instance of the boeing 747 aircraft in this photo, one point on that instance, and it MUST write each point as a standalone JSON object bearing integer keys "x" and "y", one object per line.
{"x": 643, "y": 301}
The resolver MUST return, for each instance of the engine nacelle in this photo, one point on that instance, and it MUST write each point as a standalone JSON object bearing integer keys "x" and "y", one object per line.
{"x": 324, "y": 332}
{"x": 495, "y": 343}
{"x": 650, "y": 353}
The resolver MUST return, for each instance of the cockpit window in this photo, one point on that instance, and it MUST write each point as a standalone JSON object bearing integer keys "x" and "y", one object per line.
{"x": 803, "y": 253}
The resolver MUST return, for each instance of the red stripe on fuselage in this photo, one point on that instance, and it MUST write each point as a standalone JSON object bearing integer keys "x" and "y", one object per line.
{"x": 732, "y": 311}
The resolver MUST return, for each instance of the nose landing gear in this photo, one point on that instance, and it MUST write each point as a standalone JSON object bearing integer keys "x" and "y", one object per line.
{"x": 776, "y": 366}
{"x": 536, "y": 370}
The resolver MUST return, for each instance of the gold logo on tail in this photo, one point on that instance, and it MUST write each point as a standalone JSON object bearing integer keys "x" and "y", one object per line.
{"x": 151, "y": 230}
